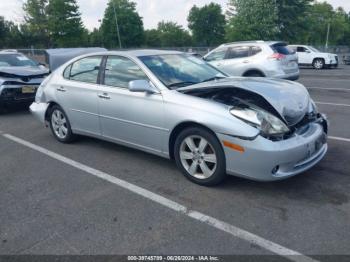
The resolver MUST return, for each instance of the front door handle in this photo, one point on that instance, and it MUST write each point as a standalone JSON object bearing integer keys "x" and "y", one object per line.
{"x": 61, "y": 89}
{"x": 104, "y": 96}
{"x": 246, "y": 61}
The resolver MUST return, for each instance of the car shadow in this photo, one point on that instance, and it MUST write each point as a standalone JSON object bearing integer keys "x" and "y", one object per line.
{"x": 315, "y": 186}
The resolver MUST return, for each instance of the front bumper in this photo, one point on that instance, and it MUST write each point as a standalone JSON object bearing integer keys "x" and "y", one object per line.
{"x": 39, "y": 111}
{"x": 12, "y": 95}
{"x": 266, "y": 160}
{"x": 332, "y": 62}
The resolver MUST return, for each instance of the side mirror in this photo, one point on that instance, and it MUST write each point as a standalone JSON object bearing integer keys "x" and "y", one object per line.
{"x": 142, "y": 86}
{"x": 308, "y": 51}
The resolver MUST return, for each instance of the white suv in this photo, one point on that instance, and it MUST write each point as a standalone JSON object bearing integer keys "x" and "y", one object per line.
{"x": 255, "y": 58}
{"x": 308, "y": 55}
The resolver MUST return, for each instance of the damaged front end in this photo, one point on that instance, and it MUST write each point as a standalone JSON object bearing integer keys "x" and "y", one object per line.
{"x": 19, "y": 88}
{"x": 254, "y": 109}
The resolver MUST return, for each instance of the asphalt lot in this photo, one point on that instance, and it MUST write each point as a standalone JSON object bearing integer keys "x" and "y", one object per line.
{"x": 50, "y": 207}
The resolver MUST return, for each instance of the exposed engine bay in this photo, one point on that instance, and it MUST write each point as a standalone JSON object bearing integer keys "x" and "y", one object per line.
{"x": 235, "y": 97}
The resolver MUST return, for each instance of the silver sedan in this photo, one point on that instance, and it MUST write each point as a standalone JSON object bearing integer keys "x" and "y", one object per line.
{"x": 177, "y": 106}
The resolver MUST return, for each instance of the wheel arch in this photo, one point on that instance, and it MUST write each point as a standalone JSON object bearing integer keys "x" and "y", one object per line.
{"x": 321, "y": 58}
{"x": 48, "y": 110}
{"x": 254, "y": 70}
{"x": 179, "y": 128}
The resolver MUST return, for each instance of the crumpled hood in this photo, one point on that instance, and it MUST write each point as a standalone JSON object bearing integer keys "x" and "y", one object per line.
{"x": 23, "y": 71}
{"x": 290, "y": 99}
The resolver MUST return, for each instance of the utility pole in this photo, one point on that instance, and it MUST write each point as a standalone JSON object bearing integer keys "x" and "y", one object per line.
{"x": 116, "y": 22}
{"x": 327, "y": 38}
{"x": 99, "y": 32}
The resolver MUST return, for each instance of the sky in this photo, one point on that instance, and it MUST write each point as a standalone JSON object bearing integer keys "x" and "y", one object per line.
{"x": 152, "y": 11}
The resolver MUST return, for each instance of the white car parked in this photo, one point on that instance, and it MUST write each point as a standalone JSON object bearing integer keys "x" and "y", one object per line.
{"x": 308, "y": 55}
{"x": 255, "y": 59}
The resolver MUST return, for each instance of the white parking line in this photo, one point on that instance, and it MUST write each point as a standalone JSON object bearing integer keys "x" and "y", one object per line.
{"x": 218, "y": 224}
{"x": 339, "y": 138}
{"x": 328, "y": 88}
{"x": 331, "y": 104}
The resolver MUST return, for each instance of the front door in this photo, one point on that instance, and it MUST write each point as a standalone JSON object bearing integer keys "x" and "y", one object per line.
{"x": 304, "y": 56}
{"x": 130, "y": 117}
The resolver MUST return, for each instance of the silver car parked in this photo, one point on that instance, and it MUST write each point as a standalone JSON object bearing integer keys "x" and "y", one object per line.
{"x": 177, "y": 106}
{"x": 255, "y": 58}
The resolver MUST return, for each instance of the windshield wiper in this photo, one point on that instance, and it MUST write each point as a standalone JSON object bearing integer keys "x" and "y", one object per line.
{"x": 182, "y": 84}
{"x": 213, "y": 78}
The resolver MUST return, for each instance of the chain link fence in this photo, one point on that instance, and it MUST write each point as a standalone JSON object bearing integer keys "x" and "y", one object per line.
{"x": 41, "y": 56}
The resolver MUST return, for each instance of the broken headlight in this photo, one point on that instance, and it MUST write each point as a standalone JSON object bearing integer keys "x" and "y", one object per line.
{"x": 267, "y": 123}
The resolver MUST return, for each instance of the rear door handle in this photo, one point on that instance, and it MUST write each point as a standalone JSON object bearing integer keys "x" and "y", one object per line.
{"x": 246, "y": 61}
{"x": 61, "y": 89}
{"x": 104, "y": 96}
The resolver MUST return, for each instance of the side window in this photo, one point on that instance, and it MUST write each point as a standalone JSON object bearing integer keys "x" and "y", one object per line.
{"x": 66, "y": 73}
{"x": 301, "y": 49}
{"x": 238, "y": 52}
{"x": 85, "y": 70}
{"x": 255, "y": 50}
{"x": 217, "y": 55}
{"x": 120, "y": 71}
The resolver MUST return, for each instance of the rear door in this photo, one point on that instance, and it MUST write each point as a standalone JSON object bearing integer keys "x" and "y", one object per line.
{"x": 237, "y": 60}
{"x": 77, "y": 94}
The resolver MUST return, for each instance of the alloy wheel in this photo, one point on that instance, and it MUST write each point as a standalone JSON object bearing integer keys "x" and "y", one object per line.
{"x": 59, "y": 124}
{"x": 198, "y": 157}
{"x": 318, "y": 64}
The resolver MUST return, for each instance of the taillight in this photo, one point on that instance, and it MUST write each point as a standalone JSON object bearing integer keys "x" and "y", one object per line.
{"x": 277, "y": 56}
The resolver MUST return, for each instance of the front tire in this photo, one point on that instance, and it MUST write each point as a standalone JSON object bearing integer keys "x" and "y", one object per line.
{"x": 200, "y": 156}
{"x": 60, "y": 125}
{"x": 318, "y": 63}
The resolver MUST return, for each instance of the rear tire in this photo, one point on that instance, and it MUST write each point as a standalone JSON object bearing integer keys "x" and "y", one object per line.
{"x": 318, "y": 63}
{"x": 60, "y": 125}
{"x": 200, "y": 156}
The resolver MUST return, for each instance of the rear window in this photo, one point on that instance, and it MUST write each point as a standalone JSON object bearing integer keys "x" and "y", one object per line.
{"x": 282, "y": 48}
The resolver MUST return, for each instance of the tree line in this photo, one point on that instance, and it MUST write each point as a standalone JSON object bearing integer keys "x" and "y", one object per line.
{"x": 58, "y": 23}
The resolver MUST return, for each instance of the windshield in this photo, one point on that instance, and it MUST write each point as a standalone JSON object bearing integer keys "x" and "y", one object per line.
{"x": 313, "y": 49}
{"x": 179, "y": 70}
{"x": 7, "y": 60}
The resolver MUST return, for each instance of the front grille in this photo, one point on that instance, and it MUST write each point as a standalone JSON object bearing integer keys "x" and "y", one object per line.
{"x": 307, "y": 119}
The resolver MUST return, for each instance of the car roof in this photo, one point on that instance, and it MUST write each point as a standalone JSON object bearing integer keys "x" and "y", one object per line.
{"x": 252, "y": 42}
{"x": 139, "y": 52}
